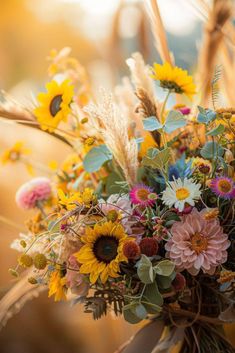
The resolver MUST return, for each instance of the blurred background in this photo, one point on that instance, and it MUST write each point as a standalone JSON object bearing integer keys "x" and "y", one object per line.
{"x": 102, "y": 35}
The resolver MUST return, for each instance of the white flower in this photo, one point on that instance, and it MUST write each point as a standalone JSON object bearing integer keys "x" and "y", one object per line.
{"x": 178, "y": 193}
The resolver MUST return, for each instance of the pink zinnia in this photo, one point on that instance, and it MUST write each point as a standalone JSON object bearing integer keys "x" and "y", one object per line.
{"x": 35, "y": 190}
{"x": 197, "y": 243}
{"x": 223, "y": 187}
{"x": 142, "y": 195}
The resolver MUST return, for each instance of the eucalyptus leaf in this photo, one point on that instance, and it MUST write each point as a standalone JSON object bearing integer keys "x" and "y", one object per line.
{"x": 129, "y": 315}
{"x": 151, "y": 124}
{"x": 164, "y": 268}
{"x": 218, "y": 130}
{"x": 206, "y": 115}
{"x": 96, "y": 157}
{"x": 174, "y": 121}
{"x": 212, "y": 150}
{"x": 140, "y": 311}
{"x": 159, "y": 161}
{"x": 165, "y": 282}
{"x": 152, "y": 294}
{"x": 145, "y": 270}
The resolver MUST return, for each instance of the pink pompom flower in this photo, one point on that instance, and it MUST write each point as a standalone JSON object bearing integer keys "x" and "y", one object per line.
{"x": 223, "y": 187}
{"x": 34, "y": 191}
{"x": 197, "y": 244}
{"x": 142, "y": 195}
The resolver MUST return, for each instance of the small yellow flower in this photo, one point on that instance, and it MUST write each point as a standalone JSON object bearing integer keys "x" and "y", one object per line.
{"x": 174, "y": 79}
{"x": 53, "y": 165}
{"x": 57, "y": 286}
{"x": 68, "y": 201}
{"x": 87, "y": 197}
{"x": 54, "y": 104}
{"x": 17, "y": 153}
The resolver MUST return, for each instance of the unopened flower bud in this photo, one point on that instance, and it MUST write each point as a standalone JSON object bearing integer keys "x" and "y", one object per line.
{"x": 112, "y": 215}
{"x": 40, "y": 261}
{"x": 25, "y": 260}
{"x": 131, "y": 250}
{"x": 32, "y": 280}
{"x": 148, "y": 247}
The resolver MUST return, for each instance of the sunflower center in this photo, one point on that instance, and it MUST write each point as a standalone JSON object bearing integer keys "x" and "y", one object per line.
{"x": 142, "y": 194}
{"x": 171, "y": 85}
{"x": 55, "y": 105}
{"x": 182, "y": 194}
{"x": 198, "y": 243}
{"x": 105, "y": 248}
{"x": 224, "y": 186}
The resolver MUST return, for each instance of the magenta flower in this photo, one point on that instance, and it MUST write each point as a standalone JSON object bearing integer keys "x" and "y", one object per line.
{"x": 142, "y": 195}
{"x": 185, "y": 110}
{"x": 35, "y": 190}
{"x": 223, "y": 187}
{"x": 197, "y": 244}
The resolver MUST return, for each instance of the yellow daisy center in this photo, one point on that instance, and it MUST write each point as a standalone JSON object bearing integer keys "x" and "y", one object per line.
{"x": 142, "y": 194}
{"x": 105, "y": 248}
{"x": 224, "y": 186}
{"x": 55, "y": 105}
{"x": 198, "y": 243}
{"x": 14, "y": 156}
{"x": 182, "y": 194}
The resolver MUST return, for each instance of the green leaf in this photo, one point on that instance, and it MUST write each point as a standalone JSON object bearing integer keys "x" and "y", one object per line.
{"x": 159, "y": 161}
{"x": 218, "y": 130}
{"x": 151, "y": 124}
{"x": 140, "y": 311}
{"x": 206, "y": 115}
{"x": 174, "y": 120}
{"x": 152, "y": 295}
{"x": 145, "y": 270}
{"x": 129, "y": 315}
{"x": 165, "y": 282}
{"x": 212, "y": 150}
{"x": 96, "y": 157}
{"x": 112, "y": 183}
{"x": 164, "y": 268}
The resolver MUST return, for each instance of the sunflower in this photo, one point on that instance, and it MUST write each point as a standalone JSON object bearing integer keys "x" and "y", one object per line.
{"x": 57, "y": 285}
{"x": 54, "y": 104}
{"x": 103, "y": 251}
{"x": 174, "y": 79}
{"x": 17, "y": 153}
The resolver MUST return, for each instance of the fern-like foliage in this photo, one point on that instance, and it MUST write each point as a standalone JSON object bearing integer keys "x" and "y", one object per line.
{"x": 215, "y": 85}
{"x": 98, "y": 304}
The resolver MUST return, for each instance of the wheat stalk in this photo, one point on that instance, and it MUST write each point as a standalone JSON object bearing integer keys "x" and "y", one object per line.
{"x": 158, "y": 31}
{"x": 113, "y": 126}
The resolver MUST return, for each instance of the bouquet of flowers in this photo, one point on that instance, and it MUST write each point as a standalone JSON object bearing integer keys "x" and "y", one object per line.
{"x": 140, "y": 218}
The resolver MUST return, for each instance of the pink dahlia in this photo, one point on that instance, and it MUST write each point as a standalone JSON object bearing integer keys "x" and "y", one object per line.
{"x": 142, "y": 195}
{"x": 197, "y": 243}
{"x": 35, "y": 190}
{"x": 223, "y": 187}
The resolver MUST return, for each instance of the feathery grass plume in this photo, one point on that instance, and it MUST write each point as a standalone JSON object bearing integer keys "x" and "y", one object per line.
{"x": 126, "y": 99}
{"x": 158, "y": 31}
{"x": 215, "y": 85}
{"x": 218, "y": 17}
{"x": 108, "y": 120}
{"x": 148, "y": 105}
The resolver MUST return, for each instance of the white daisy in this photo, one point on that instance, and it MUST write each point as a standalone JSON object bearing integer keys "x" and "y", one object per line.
{"x": 178, "y": 193}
